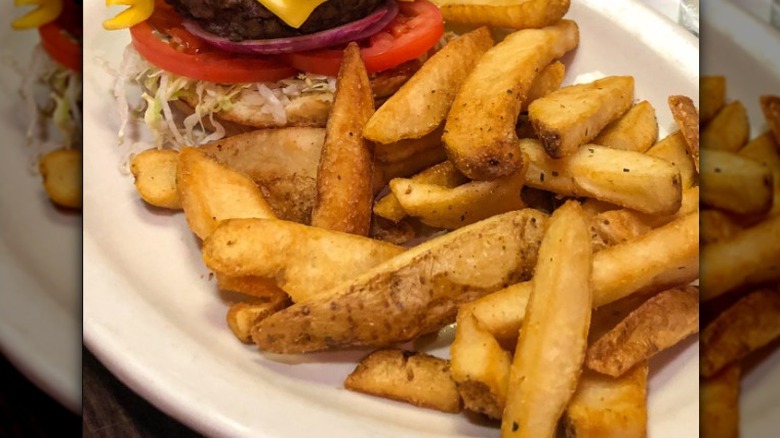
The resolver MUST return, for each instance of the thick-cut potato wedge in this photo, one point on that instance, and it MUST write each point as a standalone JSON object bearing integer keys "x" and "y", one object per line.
{"x": 417, "y": 378}
{"x": 749, "y": 324}
{"x": 770, "y": 105}
{"x": 736, "y": 184}
{"x": 629, "y": 179}
{"x": 551, "y": 347}
{"x": 258, "y": 287}
{"x": 570, "y": 117}
{"x": 61, "y": 173}
{"x": 719, "y": 404}
{"x": 687, "y": 118}
{"x": 211, "y": 192}
{"x": 746, "y": 258}
{"x": 413, "y": 293}
{"x": 479, "y": 366}
{"x": 659, "y": 323}
{"x": 728, "y": 130}
{"x": 344, "y": 191}
{"x": 242, "y": 316}
{"x": 303, "y": 260}
{"x": 716, "y": 226}
{"x": 414, "y": 164}
{"x": 712, "y": 96}
{"x": 406, "y": 149}
{"x": 452, "y": 208}
{"x": 766, "y": 151}
{"x": 422, "y": 103}
{"x": 547, "y": 173}
{"x": 501, "y": 313}
{"x": 636, "y": 130}
{"x": 510, "y": 14}
{"x": 615, "y": 226}
{"x": 443, "y": 174}
{"x": 606, "y": 407}
{"x": 674, "y": 149}
{"x": 549, "y": 80}
{"x": 480, "y": 135}
{"x": 154, "y": 171}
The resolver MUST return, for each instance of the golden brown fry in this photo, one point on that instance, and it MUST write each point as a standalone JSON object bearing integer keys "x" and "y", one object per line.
{"x": 719, "y": 404}
{"x": 480, "y": 135}
{"x": 242, "y": 316}
{"x": 766, "y": 151}
{"x": 344, "y": 192}
{"x": 303, "y": 260}
{"x": 414, "y": 164}
{"x": 211, "y": 192}
{"x": 258, "y": 287}
{"x": 659, "y": 323}
{"x": 606, "y": 407}
{"x": 770, "y": 105}
{"x": 716, "y": 226}
{"x": 551, "y": 347}
{"x": 734, "y": 183}
{"x": 712, "y": 96}
{"x": 406, "y": 149}
{"x": 687, "y": 118}
{"x": 61, "y": 173}
{"x": 749, "y": 324}
{"x": 674, "y": 149}
{"x": 615, "y": 226}
{"x": 636, "y": 130}
{"x": 415, "y": 292}
{"x": 728, "y": 130}
{"x": 570, "y": 117}
{"x": 417, "y": 378}
{"x": 154, "y": 171}
{"x": 517, "y": 14}
{"x": 422, "y": 103}
{"x": 549, "y": 80}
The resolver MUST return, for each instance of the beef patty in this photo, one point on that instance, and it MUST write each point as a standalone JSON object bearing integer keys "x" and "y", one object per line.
{"x": 241, "y": 20}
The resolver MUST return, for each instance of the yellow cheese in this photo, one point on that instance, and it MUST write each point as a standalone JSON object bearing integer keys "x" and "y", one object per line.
{"x": 292, "y": 12}
{"x": 46, "y": 12}
{"x": 138, "y": 12}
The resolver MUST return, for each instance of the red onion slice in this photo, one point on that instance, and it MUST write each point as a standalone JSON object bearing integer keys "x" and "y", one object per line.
{"x": 354, "y": 31}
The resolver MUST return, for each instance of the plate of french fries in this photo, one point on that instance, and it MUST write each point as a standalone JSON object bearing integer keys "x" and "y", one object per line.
{"x": 739, "y": 97}
{"x": 39, "y": 247}
{"x": 506, "y": 246}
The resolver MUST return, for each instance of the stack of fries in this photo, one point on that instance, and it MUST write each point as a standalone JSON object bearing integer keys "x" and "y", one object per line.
{"x": 535, "y": 205}
{"x": 741, "y": 254}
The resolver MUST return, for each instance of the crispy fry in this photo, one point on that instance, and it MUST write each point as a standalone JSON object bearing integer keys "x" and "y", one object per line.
{"x": 712, "y": 96}
{"x": 61, "y": 173}
{"x": 770, "y": 105}
{"x": 735, "y": 183}
{"x": 661, "y": 322}
{"x": 687, "y": 119}
{"x": 728, "y": 130}
{"x": 417, "y": 378}
{"x": 242, "y": 316}
{"x": 749, "y": 324}
{"x": 636, "y": 130}
{"x": 211, "y": 192}
{"x": 606, "y": 407}
{"x": 549, "y": 80}
{"x": 480, "y": 135}
{"x": 422, "y": 103}
{"x": 674, "y": 149}
{"x": 551, "y": 347}
{"x": 615, "y": 226}
{"x": 516, "y": 14}
{"x": 719, "y": 404}
{"x": 344, "y": 192}
{"x": 258, "y": 287}
{"x": 765, "y": 150}
{"x": 154, "y": 171}
{"x": 416, "y": 292}
{"x": 303, "y": 260}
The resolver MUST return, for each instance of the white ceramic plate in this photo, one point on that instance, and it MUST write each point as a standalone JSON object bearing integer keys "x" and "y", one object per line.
{"x": 746, "y": 51}
{"x": 40, "y": 247}
{"x": 153, "y": 316}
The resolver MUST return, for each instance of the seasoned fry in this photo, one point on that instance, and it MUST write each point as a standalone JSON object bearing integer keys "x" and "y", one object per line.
{"x": 570, "y": 117}
{"x": 417, "y": 378}
{"x": 749, "y": 324}
{"x": 416, "y": 292}
{"x": 712, "y": 96}
{"x": 422, "y": 103}
{"x": 659, "y": 323}
{"x": 61, "y": 173}
{"x": 551, "y": 347}
{"x": 728, "y": 130}
{"x": 480, "y": 135}
{"x": 770, "y": 105}
{"x": 242, "y": 316}
{"x": 406, "y": 149}
{"x": 636, "y": 130}
{"x": 303, "y": 260}
{"x": 211, "y": 192}
{"x": 674, "y": 149}
{"x": 687, "y": 119}
{"x": 258, "y": 287}
{"x": 719, "y": 404}
{"x": 765, "y": 150}
{"x": 606, "y": 407}
{"x": 154, "y": 171}
{"x": 515, "y": 14}
{"x": 615, "y": 226}
{"x": 344, "y": 192}
{"x": 549, "y": 80}
{"x": 716, "y": 226}
{"x": 735, "y": 183}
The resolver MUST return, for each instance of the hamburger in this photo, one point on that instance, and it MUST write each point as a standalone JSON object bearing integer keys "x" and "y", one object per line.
{"x": 209, "y": 66}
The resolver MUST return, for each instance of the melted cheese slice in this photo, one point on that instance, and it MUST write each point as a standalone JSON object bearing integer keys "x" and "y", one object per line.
{"x": 292, "y": 12}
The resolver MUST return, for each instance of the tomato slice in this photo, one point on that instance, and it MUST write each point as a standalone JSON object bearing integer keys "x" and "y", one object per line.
{"x": 60, "y": 39}
{"x": 416, "y": 29}
{"x": 187, "y": 55}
